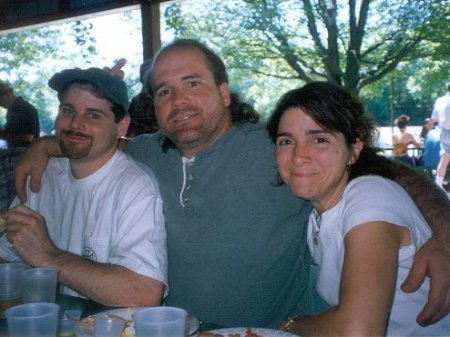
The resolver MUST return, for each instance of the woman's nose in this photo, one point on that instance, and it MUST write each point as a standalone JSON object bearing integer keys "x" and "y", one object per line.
{"x": 301, "y": 154}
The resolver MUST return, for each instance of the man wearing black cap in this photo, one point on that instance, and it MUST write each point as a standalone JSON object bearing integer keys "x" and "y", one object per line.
{"x": 99, "y": 218}
{"x": 22, "y": 120}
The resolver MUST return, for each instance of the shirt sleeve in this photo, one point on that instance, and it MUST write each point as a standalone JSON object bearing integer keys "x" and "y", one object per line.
{"x": 373, "y": 198}
{"x": 138, "y": 147}
{"x": 7, "y": 251}
{"x": 140, "y": 241}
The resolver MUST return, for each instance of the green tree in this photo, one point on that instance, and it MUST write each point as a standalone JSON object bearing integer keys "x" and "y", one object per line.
{"x": 358, "y": 44}
{"x": 29, "y": 58}
{"x": 352, "y": 43}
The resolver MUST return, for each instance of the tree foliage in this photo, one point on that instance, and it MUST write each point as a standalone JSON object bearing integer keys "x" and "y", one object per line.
{"x": 352, "y": 43}
{"x": 355, "y": 43}
{"x": 29, "y": 58}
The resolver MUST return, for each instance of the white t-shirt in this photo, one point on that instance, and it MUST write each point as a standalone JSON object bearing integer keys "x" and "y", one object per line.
{"x": 113, "y": 216}
{"x": 366, "y": 199}
{"x": 441, "y": 111}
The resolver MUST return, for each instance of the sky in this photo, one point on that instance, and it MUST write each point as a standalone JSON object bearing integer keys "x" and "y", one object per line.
{"x": 116, "y": 39}
{"x": 119, "y": 36}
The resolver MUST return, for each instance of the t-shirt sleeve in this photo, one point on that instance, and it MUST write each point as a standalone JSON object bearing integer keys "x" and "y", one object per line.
{"x": 7, "y": 252}
{"x": 373, "y": 198}
{"x": 140, "y": 241}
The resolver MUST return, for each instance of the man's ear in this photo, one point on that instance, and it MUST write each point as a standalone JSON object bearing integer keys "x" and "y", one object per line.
{"x": 225, "y": 93}
{"x": 122, "y": 127}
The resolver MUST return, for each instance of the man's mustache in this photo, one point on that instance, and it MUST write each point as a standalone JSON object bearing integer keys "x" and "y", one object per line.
{"x": 75, "y": 134}
{"x": 179, "y": 111}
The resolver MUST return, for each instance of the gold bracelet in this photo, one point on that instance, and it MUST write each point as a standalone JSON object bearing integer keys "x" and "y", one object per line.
{"x": 287, "y": 324}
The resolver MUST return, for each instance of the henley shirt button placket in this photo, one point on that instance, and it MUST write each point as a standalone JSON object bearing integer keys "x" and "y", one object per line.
{"x": 188, "y": 187}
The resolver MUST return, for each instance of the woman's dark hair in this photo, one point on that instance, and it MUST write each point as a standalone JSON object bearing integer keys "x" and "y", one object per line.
{"x": 424, "y": 131}
{"x": 337, "y": 110}
{"x": 241, "y": 112}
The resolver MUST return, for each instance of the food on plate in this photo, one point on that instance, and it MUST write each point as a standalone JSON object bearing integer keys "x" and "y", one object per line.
{"x": 128, "y": 322}
{"x": 2, "y": 224}
{"x": 248, "y": 333}
{"x": 128, "y": 330}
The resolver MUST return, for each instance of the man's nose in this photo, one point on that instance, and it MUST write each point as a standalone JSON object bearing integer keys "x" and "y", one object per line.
{"x": 75, "y": 120}
{"x": 178, "y": 97}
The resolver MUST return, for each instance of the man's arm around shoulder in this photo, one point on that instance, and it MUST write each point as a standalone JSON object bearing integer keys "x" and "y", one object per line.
{"x": 433, "y": 259}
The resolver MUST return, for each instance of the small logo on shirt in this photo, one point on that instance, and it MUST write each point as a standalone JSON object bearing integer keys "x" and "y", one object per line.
{"x": 89, "y": 254}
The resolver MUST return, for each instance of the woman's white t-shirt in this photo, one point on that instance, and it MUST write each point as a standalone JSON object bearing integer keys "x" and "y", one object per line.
{"x": 366, "y": 199}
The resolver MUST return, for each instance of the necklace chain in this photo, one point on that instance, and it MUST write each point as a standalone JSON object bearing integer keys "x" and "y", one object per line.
{"x": 316, "y": 227}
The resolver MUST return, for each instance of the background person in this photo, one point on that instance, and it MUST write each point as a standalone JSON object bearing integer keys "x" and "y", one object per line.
{"x": 99, "y": 217}
{"x": 8, "y": 158}
{"x": 401, "y": 139}
{"x": 22, "y": 120}
{"x": 236, "y": 243}
{"x": 441, "y": 114}
{"x": 427, "y": 125}
{"x": 142, "y": 107}
{"x": 431, "y": 146}
{"x": 364, "y": 229}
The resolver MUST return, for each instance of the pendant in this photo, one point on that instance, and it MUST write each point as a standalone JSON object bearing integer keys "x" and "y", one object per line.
{"x": 315, "y": 237}
{"x": 316, "y": 228}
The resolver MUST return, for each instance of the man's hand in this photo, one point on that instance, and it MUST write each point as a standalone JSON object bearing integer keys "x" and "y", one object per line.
{"x": 33, "y": 161}
{"x": 116, "y": 70}
{"x": 431, "y": 260}
{"x": 27, "y": 232}
{"x": 24, "y": 167}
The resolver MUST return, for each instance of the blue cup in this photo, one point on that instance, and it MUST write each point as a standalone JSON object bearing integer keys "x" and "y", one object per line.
{"x": 108, "y": 327}
{"x": 10, "y": 294}
{"x": 160, "y": 322}
{"x": 33, "y": 320}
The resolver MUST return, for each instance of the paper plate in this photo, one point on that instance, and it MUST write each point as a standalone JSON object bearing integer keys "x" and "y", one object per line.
{"x": 261, "y": 332}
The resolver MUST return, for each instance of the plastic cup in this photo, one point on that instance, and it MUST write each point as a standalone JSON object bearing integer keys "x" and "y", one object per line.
{"x": 38, "y": 284}
{"x": 33, "y": 320}
{"x": 160, "y": 322}
{"x": 66, "y": 328}
{"x": 67, "y": 324}
{"x": 108, "y": 327}
{"x": 73, "y": 314}
{"x": 10, "y": 294}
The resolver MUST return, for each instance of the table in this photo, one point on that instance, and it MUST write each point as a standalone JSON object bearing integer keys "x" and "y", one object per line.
{"x": 89, "y": 307}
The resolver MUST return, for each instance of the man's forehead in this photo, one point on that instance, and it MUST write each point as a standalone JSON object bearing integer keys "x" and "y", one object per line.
{"x": 181, "y": 51}
{"x": 180, "y": 62}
